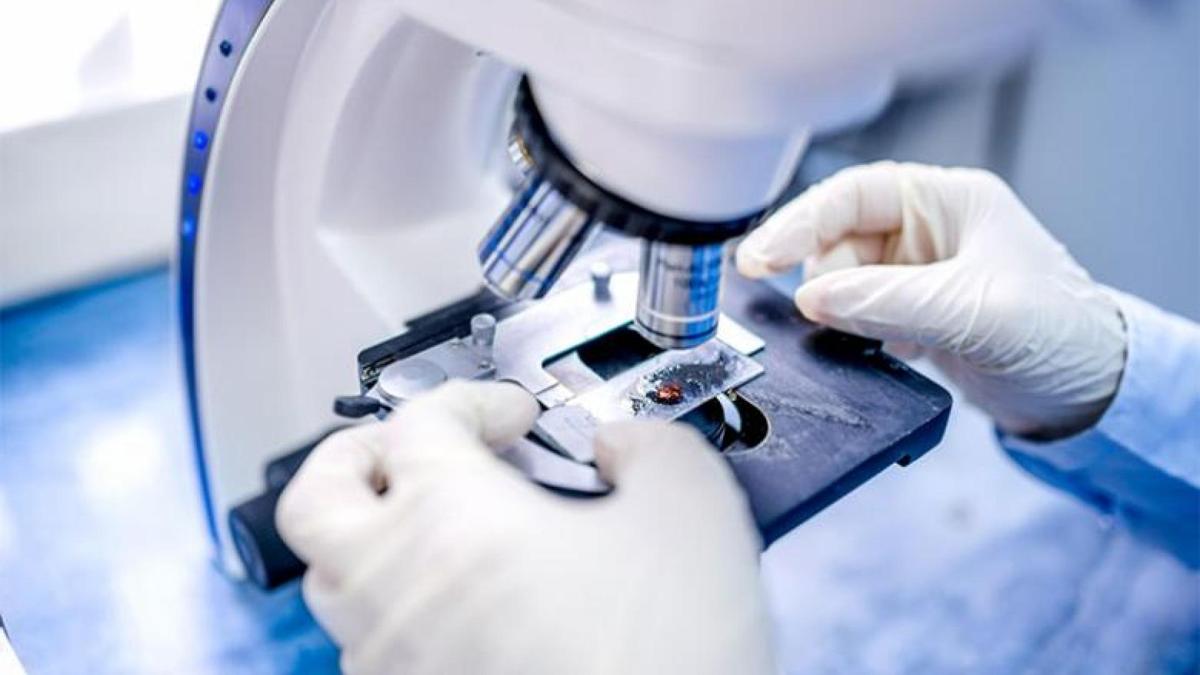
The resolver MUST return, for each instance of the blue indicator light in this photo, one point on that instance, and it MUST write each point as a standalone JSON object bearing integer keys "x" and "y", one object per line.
{"x": 226, "y": 48}
{"x": 194, "y": 183}
{"x": 210, "y": 94}
{"x": 200, "y": 140}
{"x": 189, "y": 227}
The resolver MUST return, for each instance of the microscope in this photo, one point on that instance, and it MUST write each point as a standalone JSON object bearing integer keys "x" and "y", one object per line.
{"x": 543, "y": 193}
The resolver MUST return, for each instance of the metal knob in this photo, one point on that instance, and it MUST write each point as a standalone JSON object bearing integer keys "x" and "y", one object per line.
{"x": 402, "y": 380}
{"x": 601, "y": 278}
{"x": 483, "y": 335}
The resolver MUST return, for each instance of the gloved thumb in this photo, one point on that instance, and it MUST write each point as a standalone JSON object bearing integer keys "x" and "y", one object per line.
{"x": 652, "y": 461}
{"x": 438, "y": 437}
{"x": 918, "y": 304}
{"x": 333, "y": 496}
{"x": 442, "y": 435}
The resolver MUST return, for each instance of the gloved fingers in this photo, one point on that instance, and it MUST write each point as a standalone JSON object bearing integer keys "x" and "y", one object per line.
{"x": 338, "y": 612}
{"x": 893, "y": 303}
{"x": 853, "y": 251}
{"x": 907, "y": 351}
{"x": 454, "y": 427}
{"x": 860, "y": 200}
{"x": 659, "y": 461}
{"x": 333, "y": 495}
{"x": 497, "y": 413}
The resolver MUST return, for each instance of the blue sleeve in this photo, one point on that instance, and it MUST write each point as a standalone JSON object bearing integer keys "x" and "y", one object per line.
{"x": 1141, "y": 462}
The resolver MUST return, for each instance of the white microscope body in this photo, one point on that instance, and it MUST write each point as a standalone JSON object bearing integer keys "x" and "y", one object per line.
{"x": 355, "y": 152}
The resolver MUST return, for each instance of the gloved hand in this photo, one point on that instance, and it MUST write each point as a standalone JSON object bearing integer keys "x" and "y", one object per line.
{"x": 427, "y": 554}
{"x": 951, "y": 261}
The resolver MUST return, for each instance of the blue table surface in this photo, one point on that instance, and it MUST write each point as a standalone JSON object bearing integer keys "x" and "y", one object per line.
{"x": 105, "y": 564}
{"x": 959, "y": 563}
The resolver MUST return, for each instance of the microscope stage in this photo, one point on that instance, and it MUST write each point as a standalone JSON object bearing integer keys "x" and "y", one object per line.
{"x": 802, "y": 414}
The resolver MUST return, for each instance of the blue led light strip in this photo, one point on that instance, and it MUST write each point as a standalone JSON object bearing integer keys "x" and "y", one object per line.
{"x": 235, "y": 26}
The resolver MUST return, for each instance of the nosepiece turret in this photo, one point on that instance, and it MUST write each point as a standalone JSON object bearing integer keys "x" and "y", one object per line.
{"x": 558, "y": 208}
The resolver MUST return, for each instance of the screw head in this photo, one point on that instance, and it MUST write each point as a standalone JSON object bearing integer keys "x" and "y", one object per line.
{"x": 601, "y": 276}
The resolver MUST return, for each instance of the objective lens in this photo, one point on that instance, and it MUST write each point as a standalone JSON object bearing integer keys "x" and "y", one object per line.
{"x": 533, "y": 241}
{"x": 679, "y": 293}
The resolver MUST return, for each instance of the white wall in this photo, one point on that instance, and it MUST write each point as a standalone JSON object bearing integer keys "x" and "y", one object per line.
{"x": 94, "y": 98}
{"x": 89, "y": 196}
{"x": 1109, "y": 154}
{"x": 1105, "y": 147}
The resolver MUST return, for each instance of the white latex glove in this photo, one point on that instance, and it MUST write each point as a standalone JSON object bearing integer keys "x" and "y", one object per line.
{"x": 951, "y": 261}
{"x": 464, "y": 566}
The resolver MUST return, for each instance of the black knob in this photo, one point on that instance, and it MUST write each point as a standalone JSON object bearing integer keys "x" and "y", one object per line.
{"x": 356, "y": 406}
{"x": 268, "y": 561}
